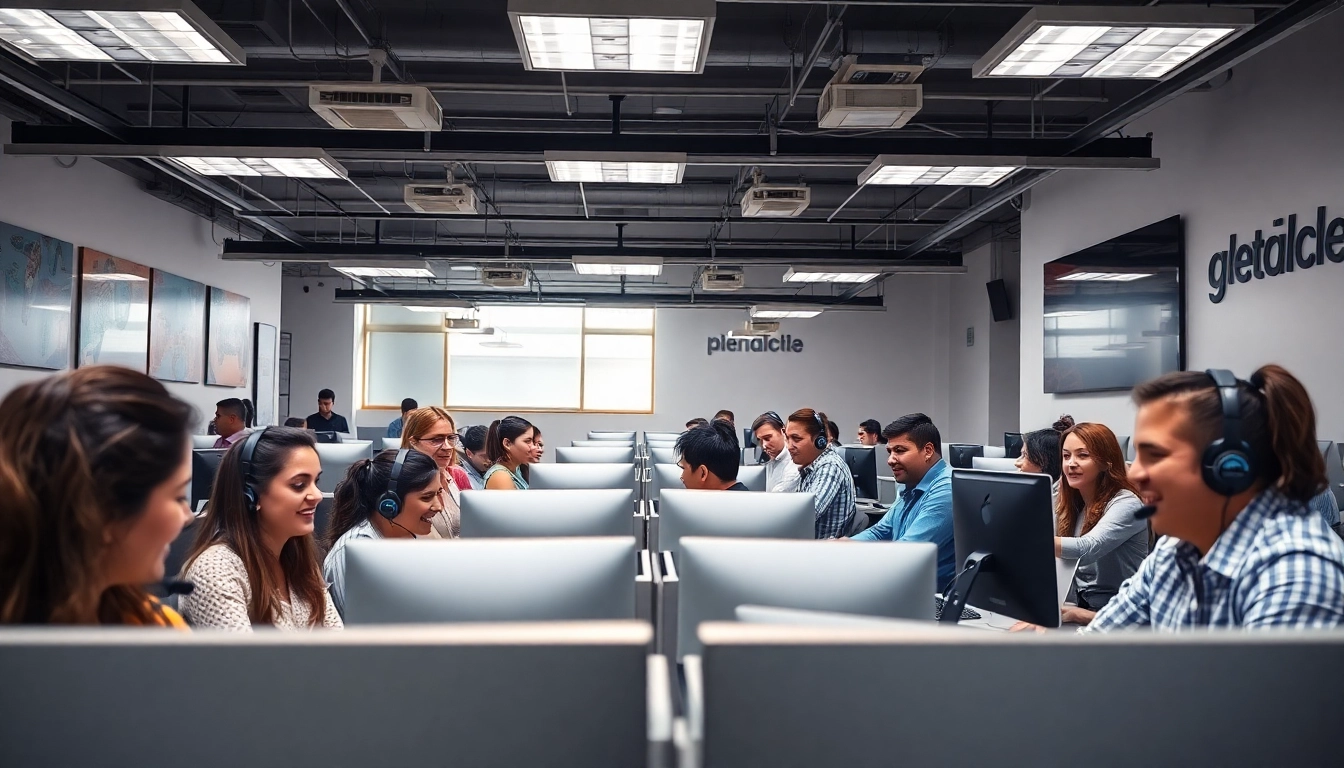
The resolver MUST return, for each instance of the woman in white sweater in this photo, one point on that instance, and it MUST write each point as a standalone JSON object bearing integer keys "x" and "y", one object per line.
{"x": 255, "y": 563}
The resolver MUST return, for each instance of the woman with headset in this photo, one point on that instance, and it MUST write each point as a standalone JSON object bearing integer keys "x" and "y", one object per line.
{"x": 94, "y": 477}
{"x": 255, "y": 562}
{"x": 394, "y": 495}
{"x": 1226, "y": 469}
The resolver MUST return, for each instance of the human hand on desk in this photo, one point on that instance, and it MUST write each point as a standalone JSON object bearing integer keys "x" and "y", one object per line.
{"x": 1023, "y": 626}
{"x": 1072, "y": 614}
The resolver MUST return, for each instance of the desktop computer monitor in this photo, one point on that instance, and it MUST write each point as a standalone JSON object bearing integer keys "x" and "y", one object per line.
{"x": 394, "y": 581}
{"x": 388, "y": 443}
{"x": 895, "y": 580}
{"x": 608, "y": 435}
{"x": 752, "y": 476}
{"x": 959, "y": 456}
{"x": 336, "y": 459}
{"x": 602, "y": 443}
{"x": 748, "y": 438}
{"x": 862, "y": 461}
{"x": 203, "y": 441}
{"x": 1012, "y": 444}
{"x": 735, "y": 514}
{"x": 327, "y": 437}
{"x": 572, "y": 455}
{"x": 663, "y": 455}
{"x": 664, "y": 477}
{"x": 535, "y": 514}
{"x": 204, "y": 466}
{"x": 650, "y": 437}
{"x": 1004, "y": 529}
{"x": 582, "y": 476}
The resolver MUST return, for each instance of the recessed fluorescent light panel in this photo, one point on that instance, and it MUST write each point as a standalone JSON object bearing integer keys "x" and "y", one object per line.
{"x": 126, "y": 31}
{"x": 616, "y": 168}
{"x": 612, "y": 36}
{"x": 383, "y": 269}
{"x": 909, "y": 172}
{"x": 783, "y": 312}
{"x": 1097, "y": 42}
{"x": 452, "y": 313}
{"x": 822, "y": 275}
{"x": 633, "y": 266}
{"x": 300, "y": 163}
{"x": 1105, "y": 277}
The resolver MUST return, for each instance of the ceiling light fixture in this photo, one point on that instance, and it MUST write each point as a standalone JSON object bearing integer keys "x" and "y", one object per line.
{"x": 617, "y": 167}
{"x": 1105, "y": 277}
{"x": 829, "y": 275}
{"x": 463, "y": 312}
{"x": 1102, "y": 42}
{"x": 383, "y": 268}
{"x": 784, "y": 312}
{"x": 293, "y": 163}
{"x": 130, "y": 31}
{"x": 632, "y": 266}
{"x": 903, "y": 171}
{"x": 612, "y": 36}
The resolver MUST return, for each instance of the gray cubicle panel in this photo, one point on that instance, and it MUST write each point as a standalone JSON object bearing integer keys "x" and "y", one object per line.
{"x": 537, "y": 513}
{"x": 372, "y": 434}
{"x": 612, "y": 435}
{"x": 661, "y": 477}
{"x": 652, "y": 436}
{"x": 1195, "y": 699}
{"x": 572, "y": 455}
{"x": 336, "y": 459}
{"x": 996, "y": 464}
{"x": 602, "y": 443}
{"x": 662, "y": 455}
{"x": 493, "y": 695}
{"x": 199, "y": 442}
{"x": 389, "y": 443}
{"x": 752, "y": 476}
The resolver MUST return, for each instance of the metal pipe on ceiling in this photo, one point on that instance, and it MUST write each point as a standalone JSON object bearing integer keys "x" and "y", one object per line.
{"x": 671, "y": 298}
{"x": 831, "y": 25}
{"x": 596, "y": 219}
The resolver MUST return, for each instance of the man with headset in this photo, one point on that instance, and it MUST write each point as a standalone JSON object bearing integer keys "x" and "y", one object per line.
{"x": 822, "y": 473}
{"x": 1226, "y": 469}
{"x": 781, "y": 474}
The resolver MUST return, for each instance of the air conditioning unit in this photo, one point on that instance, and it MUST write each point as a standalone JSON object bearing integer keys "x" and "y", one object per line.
{"x": 852, "y": 72}
{"x": 376, "y": 106}
{"x": 756, "y": 328}
{"x": 722, "y": 279}
{"x": 868, "y": 106}
{"x": 776, "y": 200}
{"x": 463, "y": 324}
{"x": 441, "y": 198}
{"x": 504, "y": 277}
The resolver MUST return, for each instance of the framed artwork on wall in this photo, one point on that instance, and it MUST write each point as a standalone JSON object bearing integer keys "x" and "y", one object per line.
{"x": 36, "y": 293}
{"x": 176, "y": 328}
{"x": 265, "y": 343}
{"x": 228, "y": 328}
{"x": 113, "y": 311}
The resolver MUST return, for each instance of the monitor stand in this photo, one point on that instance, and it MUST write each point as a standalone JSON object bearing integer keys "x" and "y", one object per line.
{"x": 955, "y": 599}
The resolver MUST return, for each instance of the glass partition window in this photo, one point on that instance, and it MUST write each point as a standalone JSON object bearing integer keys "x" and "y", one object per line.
{"x": 524, "y": 358}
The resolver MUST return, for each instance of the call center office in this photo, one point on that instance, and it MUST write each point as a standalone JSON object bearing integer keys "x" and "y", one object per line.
{"x": 1031, "y": 408}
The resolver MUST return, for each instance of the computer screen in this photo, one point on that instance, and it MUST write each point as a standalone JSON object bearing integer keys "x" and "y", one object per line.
{"x": 605, "y": 435}
{"x": 538, "y": 513}
{"x": 752, "y": 476}
{"x": 336, "y": 459}
{"x": 959, "y": 456}
{"x": 1012, "y": 444}
{"x": 862, "y": 461}
{"x": 748, "y": 438}
{"x": 582, "y": 476}
{"x": 737, "y": 514}
{"x": 398, "y": 581}
{"x": 204, "y": 466}
{"x": 663, "y": 454}
{"x": 717, "y": 575}
{"x": 572, "y": 455}
{"x": 1007, "y": 515}
{"x": 602, "y": 443}
{"x": 663, "y": 477}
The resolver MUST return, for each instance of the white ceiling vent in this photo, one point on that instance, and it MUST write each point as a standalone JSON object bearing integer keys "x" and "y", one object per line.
{"x": 776, "y": 200}
{"x": 504, "y": 277}
{"x": 868, "y": 106}
{"x": 756, "y": 328}
{"x": 376, "y": 106}
{"x": 722, "y": 279}
{"x": 450, "y": 198}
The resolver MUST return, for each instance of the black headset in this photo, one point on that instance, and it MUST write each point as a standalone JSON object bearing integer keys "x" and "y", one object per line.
{"x": 821, "y": 440}
{"x": 1227, "y": 464}
{"x": 389, "y": 504}
{"x": 249, "y": 448}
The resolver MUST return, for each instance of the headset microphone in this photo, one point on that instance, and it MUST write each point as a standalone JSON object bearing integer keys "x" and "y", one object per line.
{"x": 1145, "y": 512}
{"x": 404, "y": 528}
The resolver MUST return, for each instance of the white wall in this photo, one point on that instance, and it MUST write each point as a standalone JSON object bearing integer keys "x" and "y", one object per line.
{"x": 1264, "y": 146}
{"x": 320, "y": 352}
{"x": 1005, "y": 352}
{"x": 93, "y": 205}
{"x": 854, "y": 365}
{"x": 968, "y": 366}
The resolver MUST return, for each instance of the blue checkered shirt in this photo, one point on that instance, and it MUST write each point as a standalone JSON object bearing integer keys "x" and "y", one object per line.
{"x": 1276, "y": 565}
{"x": 832, "y": 486}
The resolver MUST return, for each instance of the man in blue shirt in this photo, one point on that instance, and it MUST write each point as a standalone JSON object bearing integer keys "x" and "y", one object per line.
{"x": 394, "y": 429}
{"x": 924, "y": 510}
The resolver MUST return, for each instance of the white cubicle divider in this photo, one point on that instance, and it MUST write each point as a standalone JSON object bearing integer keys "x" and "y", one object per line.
{"x": 612, "y": 435}
{"x": 659, "y": 455}
{"x": 336, "y": 459}
{"x": 602, "y": 443}
{"x": 995, "y": 452}
{"x": 580, "y": 693}
{"x": 389, "y": 443}
{"x": 965, "y": 697}
{"x": 614, "y": 455}
{"x": 201, "y": 442}
{"x": 998, "y": 465}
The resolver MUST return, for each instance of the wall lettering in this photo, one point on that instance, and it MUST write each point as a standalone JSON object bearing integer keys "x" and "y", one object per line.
{"x": 724, "y": 343}
{"x": 1277, "y": 254}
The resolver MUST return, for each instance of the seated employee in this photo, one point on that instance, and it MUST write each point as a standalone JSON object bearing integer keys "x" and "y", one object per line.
{"x": 325, "y": 420}
{"x": 821, "y": 472}
{"x": 708, "y": 457}
{"x": 475, "y": 460}
{"x": 230, "y": 422}
{"x": 924, "y": 510}
{"x": 726, "y": 415}
{"x": 693, "y": 423}
{"x": 833, "y": 432}
{"x": 869, "y": 432}
{"x": 1240, "y": 548}
{"x": 398, "y": 424}
{"x": 781, "y": 474}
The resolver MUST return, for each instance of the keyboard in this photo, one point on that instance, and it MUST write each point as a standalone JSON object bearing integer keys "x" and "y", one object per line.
{"x": 966, "y": 613}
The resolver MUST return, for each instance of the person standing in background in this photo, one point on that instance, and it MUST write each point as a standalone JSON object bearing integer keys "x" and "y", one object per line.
{"x": 326, "y": 420}
{"x": 781, "y": 474}
{"x": 407, "y": 405}
{"x": 474, "y": 459}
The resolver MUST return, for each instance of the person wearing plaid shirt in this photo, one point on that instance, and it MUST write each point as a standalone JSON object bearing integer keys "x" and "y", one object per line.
{"x": 822, "y": 473}
{"x": 1239, "y": 549}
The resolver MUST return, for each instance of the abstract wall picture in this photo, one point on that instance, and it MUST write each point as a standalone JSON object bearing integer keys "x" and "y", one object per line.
{"x": 264, "y": 346}
{"x": 113, "y": 311}
{"x": 35, "y": 298}
{"x": 177, "y": 329}
{"x": 229, "y": 329}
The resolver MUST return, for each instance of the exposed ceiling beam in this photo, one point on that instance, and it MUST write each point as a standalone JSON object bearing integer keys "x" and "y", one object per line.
{"x": 614, "y": 295}
{"x": 550, "y": 219}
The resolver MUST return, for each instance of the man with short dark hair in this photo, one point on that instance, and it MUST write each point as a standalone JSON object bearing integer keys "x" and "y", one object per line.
{"x": 475, "y": 461}
{"x": 407, "y": 405}
{"x": 230, "y": 422}
{"x": 924, "y": 510}
{"x": 708, "y": 457}
{"x": 693, "y": 423}
{"x": 325, "y": 420}
{"x": 869, "y": 432}
{"x": 822, "y": 472}
{"x": 726, "y": 415}
{"x": 781, "y": 474}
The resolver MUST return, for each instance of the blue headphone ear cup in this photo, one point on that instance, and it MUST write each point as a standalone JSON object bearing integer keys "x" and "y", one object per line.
{"x": 250, "y": 496}
{"x": 389, "y": 506}
{"x": 820, "y": 441}
{"x": 1227, "y": 469}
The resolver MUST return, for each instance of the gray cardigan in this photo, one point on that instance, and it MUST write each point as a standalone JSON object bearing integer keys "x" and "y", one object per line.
{"x": 1110, "y": 552}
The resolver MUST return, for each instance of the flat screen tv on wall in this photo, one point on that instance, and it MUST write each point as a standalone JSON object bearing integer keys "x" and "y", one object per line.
{"x": 1115, "y": 312}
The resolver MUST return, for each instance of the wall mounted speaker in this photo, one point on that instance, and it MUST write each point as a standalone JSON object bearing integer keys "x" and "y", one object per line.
{"x": 998, "y": 300}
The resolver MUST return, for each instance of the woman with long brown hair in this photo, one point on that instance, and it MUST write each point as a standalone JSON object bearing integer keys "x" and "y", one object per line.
{"x": 1095, "y": 520}
{"x": 255, "y": 562}
{"x": 432, "y": 431}
{"x": 94, "y": 475}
